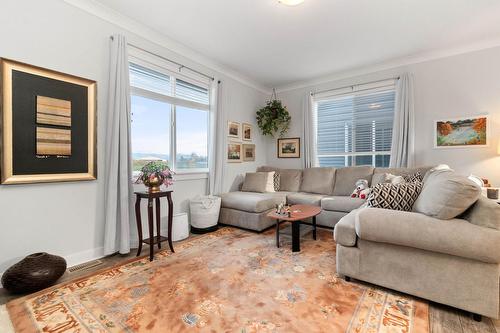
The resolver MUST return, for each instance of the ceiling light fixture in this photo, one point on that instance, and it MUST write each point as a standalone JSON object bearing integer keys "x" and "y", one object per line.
{"x": 291, "y": 2}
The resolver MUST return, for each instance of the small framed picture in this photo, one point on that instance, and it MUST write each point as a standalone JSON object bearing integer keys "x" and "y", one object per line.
{"x": 247, "y": 132}
{"x": 248, "y": 152}
{"x": 234, "y": 152}
{"x": 233, "y": 129}
{"x": 289, "y": 148}
{"x": 463, "y": 132}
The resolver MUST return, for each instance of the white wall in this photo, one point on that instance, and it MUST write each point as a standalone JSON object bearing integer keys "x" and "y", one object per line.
{"x": 67, "y": 218}
{"x": 461, "y": 85}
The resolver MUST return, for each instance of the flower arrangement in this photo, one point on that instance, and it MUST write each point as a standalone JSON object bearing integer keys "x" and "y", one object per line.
{"x": 154, "y": 174}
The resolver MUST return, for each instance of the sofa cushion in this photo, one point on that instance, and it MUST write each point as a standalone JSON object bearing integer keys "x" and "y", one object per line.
{"x": 258, "y": 182}
{"x": 345, "y": 230}
{"x": 400, "y": 196}
{"x": 485, "y": 213}
{"x": 290, "y": 179}
{"x": 267, "y": 168}
{"x": 378, "y": 173}
{"x": 446, "y": 195}
{"x": 318, "y": 180}
{"x": 341, "y": 203}
{"x": 302, "y": 198}
{"x": 252, "y": 202}
{"x": 345, "y": 178}
{"x": 454, "y": 237}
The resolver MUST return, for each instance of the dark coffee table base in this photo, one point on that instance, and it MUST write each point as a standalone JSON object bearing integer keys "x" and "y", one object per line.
{"x": 295, "y": 233}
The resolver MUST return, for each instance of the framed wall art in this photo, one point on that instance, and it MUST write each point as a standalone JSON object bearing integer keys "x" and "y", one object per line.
{"x": 248, "y": 152}
{"x": 289, "y": 148}
{"x": 48, "y": 125}
{"x": 247, "y": 132}
{"x": 234, "y": 152}
{"x": 463, "y": 132}
{"x": 233, "y": 130}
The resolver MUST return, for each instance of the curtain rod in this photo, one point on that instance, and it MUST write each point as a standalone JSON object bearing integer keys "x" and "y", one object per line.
{"x": 353, "y": 85}
{"x": 181, "y": 66}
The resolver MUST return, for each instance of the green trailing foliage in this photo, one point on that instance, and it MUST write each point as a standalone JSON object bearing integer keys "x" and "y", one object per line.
{"x": 273, "y": 118}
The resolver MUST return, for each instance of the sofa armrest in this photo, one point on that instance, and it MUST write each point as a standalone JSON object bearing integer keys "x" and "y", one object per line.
{"x": 345, "y": 230}
{"x": 455, "y": 237}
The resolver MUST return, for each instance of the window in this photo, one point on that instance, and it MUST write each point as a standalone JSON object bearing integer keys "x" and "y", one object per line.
{"x": 170, "y": 117}
{"x": 356, "y": 128}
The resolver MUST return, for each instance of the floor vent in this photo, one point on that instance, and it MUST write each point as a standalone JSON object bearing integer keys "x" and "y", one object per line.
{"x": 84, "y": 266}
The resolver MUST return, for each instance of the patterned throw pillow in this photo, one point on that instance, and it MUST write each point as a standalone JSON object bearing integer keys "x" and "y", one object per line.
{"x": 276, "y": 182}
{"x": 394, "y": 196}
{"x": 416, "y": 177}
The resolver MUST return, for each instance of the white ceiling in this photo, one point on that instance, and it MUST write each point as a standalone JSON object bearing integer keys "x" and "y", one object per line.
{"x": 277, "y": 45}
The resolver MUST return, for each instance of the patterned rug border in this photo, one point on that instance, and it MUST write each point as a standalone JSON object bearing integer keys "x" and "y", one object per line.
{"x": 14, "y": 305}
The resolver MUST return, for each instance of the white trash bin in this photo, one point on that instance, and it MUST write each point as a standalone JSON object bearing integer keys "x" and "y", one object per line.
{"x": 204, "y": 213}
{"x": 180, "y": 227}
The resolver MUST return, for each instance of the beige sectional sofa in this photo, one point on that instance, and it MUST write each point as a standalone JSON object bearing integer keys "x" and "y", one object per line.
{"x": 329, "y": 188}
{"x": 453, "y": 261}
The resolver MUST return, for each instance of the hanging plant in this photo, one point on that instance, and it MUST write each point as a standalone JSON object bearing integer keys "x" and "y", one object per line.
{"x": 273, "y": 117}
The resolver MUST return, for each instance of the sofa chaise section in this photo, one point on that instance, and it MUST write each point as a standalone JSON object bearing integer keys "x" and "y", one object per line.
{"x": 249, "y": 210}
{"x": 453, "y": 262}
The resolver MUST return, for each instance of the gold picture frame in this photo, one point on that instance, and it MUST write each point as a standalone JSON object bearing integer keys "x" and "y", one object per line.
{"x": 246, "y": 132}
{"x": 248, "y": 152}
{"x": 289, "y": 148}
{"x": 234, "y": 152}
{"x": 46, "y": 146}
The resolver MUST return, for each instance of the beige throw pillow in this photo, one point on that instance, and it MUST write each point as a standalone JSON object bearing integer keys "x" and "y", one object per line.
{"x": 260, "y": 182}
{"x": 446, "y": 195}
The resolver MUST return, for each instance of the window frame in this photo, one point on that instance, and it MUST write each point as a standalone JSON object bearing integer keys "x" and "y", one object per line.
{"x": 357, "y": 90}
{"x": 173, "y": 101}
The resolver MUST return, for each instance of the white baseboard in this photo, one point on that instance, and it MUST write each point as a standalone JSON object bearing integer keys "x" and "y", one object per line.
{"x": 84, "y": 256}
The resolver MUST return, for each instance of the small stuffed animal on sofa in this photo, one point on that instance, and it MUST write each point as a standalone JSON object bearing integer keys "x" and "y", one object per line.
{"x": 362, "y": 190}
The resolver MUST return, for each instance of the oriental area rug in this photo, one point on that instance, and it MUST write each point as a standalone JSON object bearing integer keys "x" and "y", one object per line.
{"x": 227, "y": 281}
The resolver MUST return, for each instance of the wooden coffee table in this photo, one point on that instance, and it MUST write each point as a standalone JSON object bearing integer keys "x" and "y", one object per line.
{"x": 298, "y": 213}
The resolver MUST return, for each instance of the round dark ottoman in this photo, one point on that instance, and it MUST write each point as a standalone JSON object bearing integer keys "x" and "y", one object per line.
{"x": 35, "y": 272}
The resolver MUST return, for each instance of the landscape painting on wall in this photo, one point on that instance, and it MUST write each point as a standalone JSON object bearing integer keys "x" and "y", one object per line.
{"x": 233, "y": 129}
{"x": 248, "y": 152}
{"x": 289, "y": 148}
{"x": 48, "y": 125}
{"x": 462, "y": 132}
{"x": 234, "y": 152}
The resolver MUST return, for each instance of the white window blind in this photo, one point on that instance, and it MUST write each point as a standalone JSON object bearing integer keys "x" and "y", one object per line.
{"x": 191, "y": 92}
{"x": 148, "y": 79}
{"x": 355, "y": 129}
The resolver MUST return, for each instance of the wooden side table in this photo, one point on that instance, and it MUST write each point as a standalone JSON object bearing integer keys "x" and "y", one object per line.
{"x": 159, "y": 238}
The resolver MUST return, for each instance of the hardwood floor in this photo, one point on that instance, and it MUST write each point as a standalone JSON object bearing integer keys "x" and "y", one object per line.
{"x": 443, "y": 319}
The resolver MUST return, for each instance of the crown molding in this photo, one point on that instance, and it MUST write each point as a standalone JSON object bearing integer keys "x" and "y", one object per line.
{"x": 112, "y": 16}
{"x": 392, "y": 64}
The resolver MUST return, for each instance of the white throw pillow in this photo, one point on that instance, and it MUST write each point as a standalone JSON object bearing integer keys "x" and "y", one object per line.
{"x": 446, "y": 195}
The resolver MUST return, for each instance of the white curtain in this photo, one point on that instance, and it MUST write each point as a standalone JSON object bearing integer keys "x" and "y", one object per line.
{"x": 403, "y": 131}
{"x": 118, "y": 167}
{"x": 310, "y": 133}
{"x": 217, "y": 140}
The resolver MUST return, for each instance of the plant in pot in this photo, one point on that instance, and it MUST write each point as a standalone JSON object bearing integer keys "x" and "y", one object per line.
{"x": 274, "y": 117}
{"x": 154, "y": 174}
